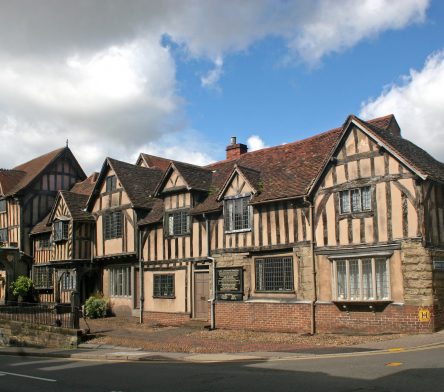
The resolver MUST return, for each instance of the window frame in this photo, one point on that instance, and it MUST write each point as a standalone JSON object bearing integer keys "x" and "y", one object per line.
{"x": 60, "y": 230}
{"x": 120, "y": 281}
{"x": 285, "y": 274}
{"x": 4, "y": 238}
{"x": 164, "y": 285}
{"x": 68, "y": 281}
{"x": 111, "y": 183}
{"x": 112, "y": 225}
{"x": 229, "y": 225}
{"x": 182, "y": 212}
{"x": 3, "y": 206}
{"x": 349, "y": 193}
{"x": 46, "y": 240}
{"x": 362, "y": 286}
{"x": 43, "y": 284}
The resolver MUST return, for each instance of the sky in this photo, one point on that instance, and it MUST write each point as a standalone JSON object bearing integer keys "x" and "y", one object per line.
{"x": 178, "y": 78}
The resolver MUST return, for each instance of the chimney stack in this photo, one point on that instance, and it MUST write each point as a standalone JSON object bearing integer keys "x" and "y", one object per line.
{"x": 235, "y": 149}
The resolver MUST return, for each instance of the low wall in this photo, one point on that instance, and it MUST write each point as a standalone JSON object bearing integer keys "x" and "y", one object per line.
{"x": 164, "y": 318}
{"x": 18, "y": 333}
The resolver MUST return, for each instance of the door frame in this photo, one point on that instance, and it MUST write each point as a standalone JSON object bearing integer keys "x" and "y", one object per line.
{"x": 194, "y": 291}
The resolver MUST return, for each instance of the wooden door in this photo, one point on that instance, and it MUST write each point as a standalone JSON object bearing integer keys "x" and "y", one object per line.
{"x": 201, "y": 295}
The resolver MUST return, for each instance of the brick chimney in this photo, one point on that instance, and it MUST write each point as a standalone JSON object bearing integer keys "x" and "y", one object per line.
{"x": 234, "y": 149}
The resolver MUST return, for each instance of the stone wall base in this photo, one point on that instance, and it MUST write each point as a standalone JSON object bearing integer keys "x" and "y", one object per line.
{"x": 17, "y": 333}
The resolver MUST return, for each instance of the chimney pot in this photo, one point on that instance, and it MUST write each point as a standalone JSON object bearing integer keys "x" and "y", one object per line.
{"x": 235, "y": 149}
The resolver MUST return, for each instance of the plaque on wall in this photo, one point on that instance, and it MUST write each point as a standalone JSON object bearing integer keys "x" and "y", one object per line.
{"x": 229, "y": 284}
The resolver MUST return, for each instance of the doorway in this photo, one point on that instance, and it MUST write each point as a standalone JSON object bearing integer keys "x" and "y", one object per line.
{"x": 201, "y": 295}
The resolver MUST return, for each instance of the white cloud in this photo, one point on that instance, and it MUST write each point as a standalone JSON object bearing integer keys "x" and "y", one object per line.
{"x": 417, "y": 103}
{"x": 213, "y": 76}
{"x": 254, "y": 142}
{"x": 95, "y": 71}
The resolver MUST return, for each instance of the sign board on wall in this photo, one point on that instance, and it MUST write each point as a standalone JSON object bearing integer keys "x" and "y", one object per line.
{"x": 229, "y": 284}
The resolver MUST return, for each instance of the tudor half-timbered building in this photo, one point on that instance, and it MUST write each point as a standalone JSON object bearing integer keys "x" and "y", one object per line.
{"x": 62, "y": 247}
{"x": 122, "y": 195}
{"x": 27, "y": 193}
{"x": 338, "y": 232}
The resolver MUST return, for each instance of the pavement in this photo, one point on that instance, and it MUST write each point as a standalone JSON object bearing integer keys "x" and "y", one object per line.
{"x": 103, "y": 352}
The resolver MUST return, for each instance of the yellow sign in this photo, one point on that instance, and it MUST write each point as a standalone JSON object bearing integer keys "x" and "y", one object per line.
{"x": 424, "y": 315}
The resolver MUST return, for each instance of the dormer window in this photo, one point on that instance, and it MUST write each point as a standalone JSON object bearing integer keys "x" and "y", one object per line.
{"x": 178, "y": 222}
{"x": 237, "y": 214}
{"x": 111, "y": 184}
{"x": 60, "y": 230}
{"x": 356, "y": 200}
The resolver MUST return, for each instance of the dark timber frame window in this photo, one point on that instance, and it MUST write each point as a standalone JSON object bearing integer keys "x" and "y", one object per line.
{"x": 120, "y": 281}
{"x": 111, "y": 183}
{"x": 178, "y": 222}
{"x": 2, "y": 206}
{"x": 237, "y": 214}
{"x": 61, "y": 230}
{"x": 112, "y": 225}
{"x": 274, "y": 274}
{"x": 356, "y": 200}
{"x": 42, "y": 277}
{"x": 44, "y": 242}
{"x": 163, "y": 285}
{"x": 68, "y": 281}
{"x": 362, "y": 279}
{"x": 3, "y": 235}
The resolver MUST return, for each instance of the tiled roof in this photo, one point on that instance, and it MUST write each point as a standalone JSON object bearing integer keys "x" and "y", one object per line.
{"x": 415, "y": 156}
{"x": 30, "y": 170}
{"x": 42, "y": 226}
{"x": 76, "y": 204}
{"x": 86, "y": 186}
{"x": 9, "y": 180}
{"x": 139, "y": 182}
{"x": 155, "y": 161}
{"x": 197, "y": 177}
{"x": 155, "y": 215}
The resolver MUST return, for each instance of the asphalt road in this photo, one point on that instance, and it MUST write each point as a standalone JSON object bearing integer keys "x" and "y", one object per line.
{"x": 411, "y": 371}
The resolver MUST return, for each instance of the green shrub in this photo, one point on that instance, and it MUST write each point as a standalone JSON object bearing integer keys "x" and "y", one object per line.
{"x": 96, "y": 307}
{"x": 22, "y": 287}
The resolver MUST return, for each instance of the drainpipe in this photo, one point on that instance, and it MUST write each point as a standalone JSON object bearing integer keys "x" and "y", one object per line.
{"x": 213, "y": 275}
{"x": 313, "y": 267}
{"x": 140, "y": 256}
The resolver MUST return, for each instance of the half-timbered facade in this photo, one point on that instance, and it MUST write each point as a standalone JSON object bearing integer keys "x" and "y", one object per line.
{"x": 338, "y": 232}
{"x": 62, "y": 247}
{"x": 121, "y": 196}
{"x": 27, "y": 193}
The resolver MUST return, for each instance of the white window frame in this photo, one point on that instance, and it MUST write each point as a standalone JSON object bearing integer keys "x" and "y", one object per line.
{"x": 120, "y": 281}
{"x": 170, "y": 227}
{"x": 359, "y": 259}
{"x": 230, "y": 224}
{"x": 348, "y": 194}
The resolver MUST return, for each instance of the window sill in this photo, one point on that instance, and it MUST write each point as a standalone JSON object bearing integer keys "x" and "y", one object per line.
{"x": 361, "y": 214}
{"x": 164, "y": 297}
{"x": 237, "y": 231}
{"x": 172, "y": 236}
{"x": 61, "y": 240}
{"x": 363, "y": 306}
{"x": 275, "y": 292}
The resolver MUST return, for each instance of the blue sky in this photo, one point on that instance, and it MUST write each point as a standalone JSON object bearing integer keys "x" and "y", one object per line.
{"x": 177, "y": 79}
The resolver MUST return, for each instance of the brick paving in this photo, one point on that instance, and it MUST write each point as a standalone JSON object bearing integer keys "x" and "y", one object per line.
{"x": 194, "y": 338}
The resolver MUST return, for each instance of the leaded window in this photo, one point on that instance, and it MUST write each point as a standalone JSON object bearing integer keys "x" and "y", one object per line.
{"x": 111, "y": 183}
{"x": 178, "y": 222}
{"x": 2, "y": 205}
{"x": 163, "y": 286}
{"x": 362, "y": 279}
{"x": 68, "y": 281}
{"x": 42, "y": 277}
{"x": 355, "y": 200}
{"x": 44, "y": 242}
{"x": 237, "y": 214}
{"x": 120, "y": 281}
{"x": 61, "y": 230}
{"x": 112, "y": 225}
{"x": 274, "y": 274}
{"x": 3, "y": 235}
